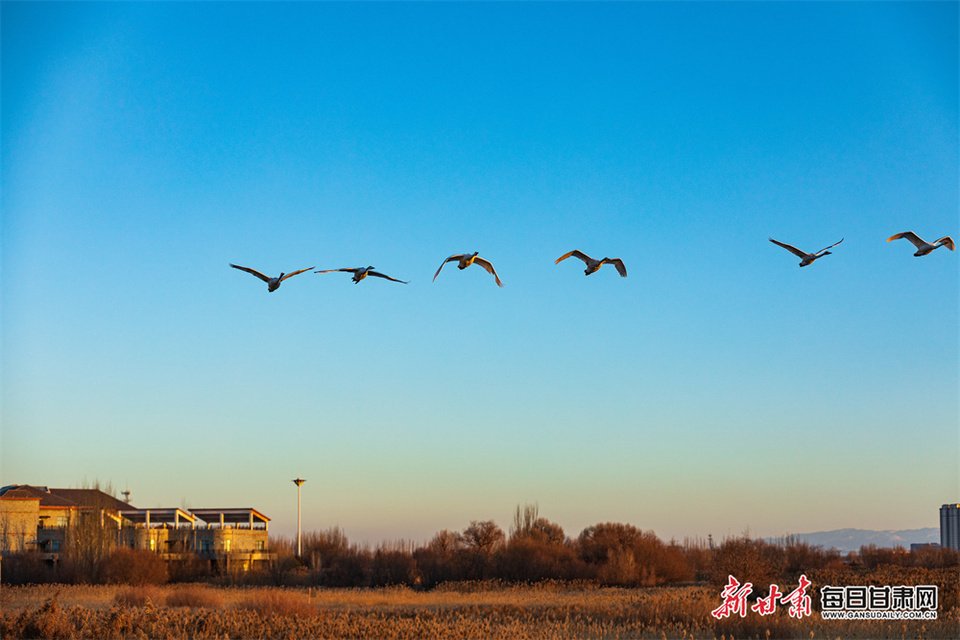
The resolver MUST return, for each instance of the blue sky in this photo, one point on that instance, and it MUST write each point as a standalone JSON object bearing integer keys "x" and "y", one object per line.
{"x": 718, "y": 388}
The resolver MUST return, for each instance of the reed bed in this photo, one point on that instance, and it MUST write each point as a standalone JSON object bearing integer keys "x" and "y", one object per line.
{"x": 537, "y": 612}
{"x": 195, "y": 596}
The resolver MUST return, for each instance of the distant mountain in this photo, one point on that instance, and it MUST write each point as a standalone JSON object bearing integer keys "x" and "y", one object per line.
{"x": 845, "y": 540}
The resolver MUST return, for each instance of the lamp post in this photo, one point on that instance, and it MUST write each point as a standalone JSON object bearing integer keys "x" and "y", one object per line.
{"x": 298, "y": 482}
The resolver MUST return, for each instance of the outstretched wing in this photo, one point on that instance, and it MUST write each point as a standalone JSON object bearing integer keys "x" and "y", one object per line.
{"x": 454, "y": 257}
{"x": 947, "y": 242}
{"x": 382, "y": 275}
{"x": 789, "y": 247}
{"x": 489, "y": 267}
{"x": 335, "y": 270}
{"x": 830, "y": 247}
{"x": 575, "y": 254}
{"x": 618, "y": 263}
{"x": 911, "y": 236}
{"x": 290, "y": 275}
{"x": 253, "y": 271}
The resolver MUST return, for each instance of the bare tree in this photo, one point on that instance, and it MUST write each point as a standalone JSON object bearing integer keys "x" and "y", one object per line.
{"x": 446, "y": 542}
{"x": 527, "y": 524}
{"x": 482, "y": 540}
{"x": 91, "y": 535}
{"x": 524, "y": 520}
{"x": 483, "y": 537}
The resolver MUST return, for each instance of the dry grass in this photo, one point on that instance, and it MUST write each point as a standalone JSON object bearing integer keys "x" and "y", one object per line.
{"x": 195, "y": 597}
{"x": 274, "y": 602}
{"x": 454, "y": 611}
{"x": 139, "y": 596}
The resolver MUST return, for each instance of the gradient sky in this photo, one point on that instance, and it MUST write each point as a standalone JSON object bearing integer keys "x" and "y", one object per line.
{"x": 719, "y": 388}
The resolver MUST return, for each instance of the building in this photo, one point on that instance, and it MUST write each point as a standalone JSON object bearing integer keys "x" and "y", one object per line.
{"x": 230, "y": 539}
{"x": 36, "y": 518}
{"x": 42, "y": 519}
{"x": 950, "y": 526}
{"x": 19, "y": 520}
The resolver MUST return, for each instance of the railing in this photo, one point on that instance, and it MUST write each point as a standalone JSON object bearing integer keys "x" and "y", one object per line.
{"x": 245, "y": 526}
{"x": 197, "y": 526}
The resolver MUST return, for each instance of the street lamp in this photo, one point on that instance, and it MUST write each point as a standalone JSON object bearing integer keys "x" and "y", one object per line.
{"x": 298, "y": 482}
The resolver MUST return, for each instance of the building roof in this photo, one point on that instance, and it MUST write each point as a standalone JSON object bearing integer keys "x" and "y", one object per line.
{"x": 97, "y": 499}
{"x": 91, "y": 498}
{"x": 47, "y": 499}
{"x": 63, "y": 498}
{"x": 17, "y": 492}
{"x": 158, "y": 516}
{"x": 233, "y": 516}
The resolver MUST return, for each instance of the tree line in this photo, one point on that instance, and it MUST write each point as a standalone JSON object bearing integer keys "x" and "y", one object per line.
{"x": 534, "y": 549}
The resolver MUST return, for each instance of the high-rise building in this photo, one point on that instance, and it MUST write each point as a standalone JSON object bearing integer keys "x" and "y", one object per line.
{"x": 950, "y": 526}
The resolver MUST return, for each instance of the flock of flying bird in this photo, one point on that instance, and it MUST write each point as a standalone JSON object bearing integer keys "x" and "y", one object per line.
{"x": 464, "y": 260}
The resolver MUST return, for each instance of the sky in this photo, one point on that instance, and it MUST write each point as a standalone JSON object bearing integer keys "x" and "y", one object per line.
{"x": 718, "y": 389}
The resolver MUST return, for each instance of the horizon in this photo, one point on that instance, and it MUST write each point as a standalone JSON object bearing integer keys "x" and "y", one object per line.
{"x": 685, "y": 541}
{"x": 149, "y": 146}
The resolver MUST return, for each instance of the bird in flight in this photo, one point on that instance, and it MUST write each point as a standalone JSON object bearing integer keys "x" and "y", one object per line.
{"x": 362, "y": 272}
{"x": 924, "y": 247}
{"x": 594, "y": 265}
{"x": 272, "y": 283}
{"x": 467, "y": 259}
{"x": 805, "y": 258}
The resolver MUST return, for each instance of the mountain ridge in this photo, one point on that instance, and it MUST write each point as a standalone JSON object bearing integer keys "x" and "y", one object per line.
{"x": 846, "y": 540}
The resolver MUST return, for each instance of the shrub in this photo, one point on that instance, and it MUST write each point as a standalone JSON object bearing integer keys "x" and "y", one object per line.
{"x": 26, "y": 568}
{"x": 872, "y": 556}
{"x": 698, "y": 553}
{"x": 534, "y": 558}
{"x": 935, "y": 557}
{"x": 623, "y": 555}
{"x": 442, "y": 559}
{"x": 393, "y": 567}
{"x": 133, "y": 566}
{"x": 333, "y": 561}
{"x": 748, "y": 561}
{"x": 282, "y": 565}
{"x": 350, "y": 569}
{"x": 188, "y": 568}
{"x": 802, "y": 557}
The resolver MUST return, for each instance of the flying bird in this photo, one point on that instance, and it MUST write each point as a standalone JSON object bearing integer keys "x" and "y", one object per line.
{"x": 924, "y": 247}
{"x": 467, "y": 259}
{"x": 594, "y": 265}
{"x": 362, "y": 272}
{"x": 272, "y": 283}
{"x": 806, "y": 258}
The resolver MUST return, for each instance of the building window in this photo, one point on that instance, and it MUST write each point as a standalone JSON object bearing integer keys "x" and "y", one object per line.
{"x": 62, "y": 522}
{"x": 54, "y": 546}
{"x": 259, "y": 545}
{"x": 205, "y": 545}
{"x": 226, "y": 545}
